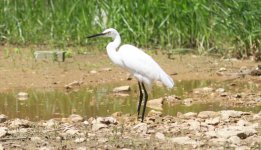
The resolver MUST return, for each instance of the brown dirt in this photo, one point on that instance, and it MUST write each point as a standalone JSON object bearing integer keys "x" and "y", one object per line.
{"x": 23, "y": 71}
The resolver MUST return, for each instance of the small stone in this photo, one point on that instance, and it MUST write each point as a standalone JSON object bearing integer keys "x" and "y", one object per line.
{"x": 154, "y": 113}
{"x": 3, "y": 131}
{"x": 220, "y": 90}
{"x": 3, "y": 118}
{"x": 79, "y": 140}
{"x": 202, "y": 90}
{"x": 106, "y": 69}
{"x": 211, "y": 134}
{"x": 184, "y": 140}
{"x": 188, "y": 101}
{"x": 36, "y": 139}
{"x": 246, "y": 132}
{"x": 207, "y": 114}
{"x": 242, "y": 148}
{"x": 93, "y": 72}
{"x": 155, "y": 104}
{"x": 242, "y": 122}
{"x": 75, "y": 118}
{"x": 122, "y": 94}
{"x": 218, "y": 141}
{"x": 226, "y": 133}
{"x": 98, "y": 126}
{"x": 22, "y": 96}
{"x": 141, "y": 128}
{"x": 240, "y": 131}
{"x": 82, "y": 148}
{"x": 172, "y": 99}
{"x": 46, "y": 148}
{"x": 214, "y": 121}
{"x": 58, "y": 138}
{"x": 224, "y": 94}
{"x": 117, "y": 114}
{"x": 73, "y": 84}
{"x": 258, "y": 99}
{"x": 194, "y": 125}
{"x": 257, "y": 116}
{"x": 23, "y": 130}
{"x": 72, "y": 132}
{"x": 102, "y": 140}
{"x": 190, "y": 115}
{"x": 50, "y": 123}
{"x": 234, "y": 140}
{"x": 106, "y": 120}
{"x": 20, "y": 123}
{"x": 226, "y": 114}
{"x": 86, "y": 122}
{"x": 160, "y": 136}
{"x": 122, "y": 89}
{"x": 222, "y": 69}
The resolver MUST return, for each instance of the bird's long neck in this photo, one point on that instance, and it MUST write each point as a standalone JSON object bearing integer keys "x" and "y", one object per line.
{"x": 112, "y": 50}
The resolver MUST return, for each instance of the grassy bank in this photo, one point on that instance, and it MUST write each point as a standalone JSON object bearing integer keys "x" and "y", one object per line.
{"x": 225, "y": 27}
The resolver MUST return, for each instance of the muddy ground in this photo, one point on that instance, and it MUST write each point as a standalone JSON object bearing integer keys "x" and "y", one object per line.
{"x": 203, "y": 130}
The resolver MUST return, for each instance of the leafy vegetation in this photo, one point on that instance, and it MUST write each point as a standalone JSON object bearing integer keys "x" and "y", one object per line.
{"x": 225, "y": 27}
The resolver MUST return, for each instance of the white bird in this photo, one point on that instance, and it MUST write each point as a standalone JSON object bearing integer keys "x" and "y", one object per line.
{"x": 137, "y": 62}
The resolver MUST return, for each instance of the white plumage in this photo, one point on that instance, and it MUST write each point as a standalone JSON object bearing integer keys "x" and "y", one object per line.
{"x": 142, "y": 66}
{"x": 137, "y": 62}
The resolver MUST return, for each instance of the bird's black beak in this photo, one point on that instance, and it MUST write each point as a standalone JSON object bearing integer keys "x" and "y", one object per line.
{"x": 96, "y": 35}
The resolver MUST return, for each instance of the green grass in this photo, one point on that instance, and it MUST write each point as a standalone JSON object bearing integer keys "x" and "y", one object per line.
{"x": 202, "y": 26}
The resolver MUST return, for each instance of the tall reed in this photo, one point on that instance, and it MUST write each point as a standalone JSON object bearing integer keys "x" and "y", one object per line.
{"x": 203, "y": 26}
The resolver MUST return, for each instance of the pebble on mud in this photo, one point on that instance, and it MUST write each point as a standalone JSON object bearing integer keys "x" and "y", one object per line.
{"x": 172, "y": 99}
{"x": 207, "y": 114}
{"x": 125, "y": 88}
{"x": 141, "y": 128}
{"x": 98, "y": 126}
{"x": 79, "y": 140}
{"x": 50, "y": 123}
{"x": 220, "y": 90}
{"x": 188, "y": 101}
{"x": 184, "y": 140}
{"x": 73, "y": 84}
{"x": 202, "y": 90}
{"x": 22, "y": 96}
{"x": 226, "y": 114}
{"x": 75, "y": 118}
{"x": 106, "y": 69}
{"x": 93, "y": 72}
{"x": 154, "y": 113}
{"x": 213, "y": 121}
{"x": 189, "y": 115}
{"x": 3, "y": 118}
{"x": 36, "y": 139}
{"x": 160, "y": 136}
{"x": 20, "y": 123}
{"x": 103, "y": 122}
{"x": 3, "y": 131}
{"x": 155, "y": 104}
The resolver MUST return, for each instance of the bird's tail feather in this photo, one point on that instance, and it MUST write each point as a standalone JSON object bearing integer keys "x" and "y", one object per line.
{"x": 166, "y": 80}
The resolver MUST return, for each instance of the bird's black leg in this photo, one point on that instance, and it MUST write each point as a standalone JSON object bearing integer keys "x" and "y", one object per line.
{"x": 145, "y": 102}
{"x": 141, "y": 97}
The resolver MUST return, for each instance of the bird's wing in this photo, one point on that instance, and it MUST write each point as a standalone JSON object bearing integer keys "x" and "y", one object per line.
{"x": 138, "y": 62}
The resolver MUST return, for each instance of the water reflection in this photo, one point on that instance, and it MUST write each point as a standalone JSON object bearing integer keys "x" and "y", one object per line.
{"x": 92, "y": 101}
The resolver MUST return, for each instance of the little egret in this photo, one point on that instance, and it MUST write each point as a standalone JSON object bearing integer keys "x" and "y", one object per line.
{"x": 137, "y": 62}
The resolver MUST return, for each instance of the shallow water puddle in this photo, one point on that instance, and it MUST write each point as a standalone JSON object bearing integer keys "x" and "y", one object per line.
{"x": 95, "y": 101}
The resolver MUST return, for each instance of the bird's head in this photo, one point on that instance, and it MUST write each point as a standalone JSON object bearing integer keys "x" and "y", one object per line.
{"x": 106, "y": 33}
